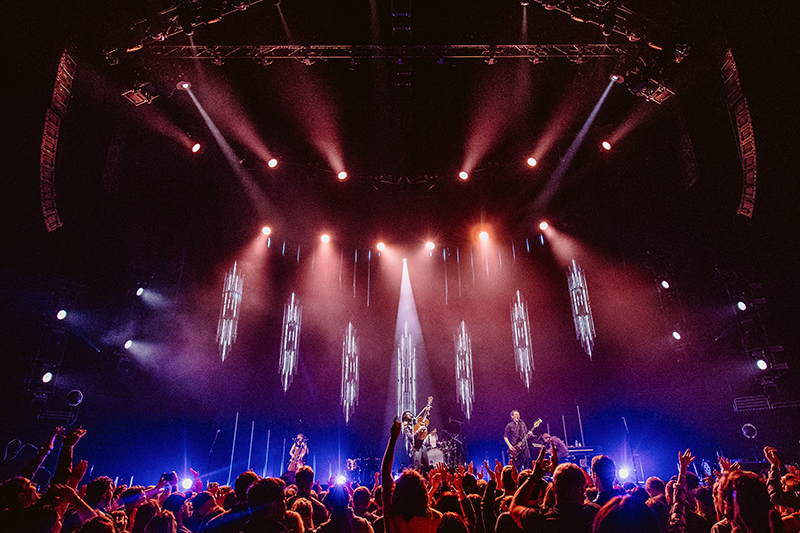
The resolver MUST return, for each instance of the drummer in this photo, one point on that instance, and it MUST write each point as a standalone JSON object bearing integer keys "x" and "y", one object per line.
{"x": 432, "y": 440}
{"x": 431, "y": 443}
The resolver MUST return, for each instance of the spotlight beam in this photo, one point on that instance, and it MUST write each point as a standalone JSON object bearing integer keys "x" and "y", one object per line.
{"x": 258, "y": 199}
{"x": 554, "y": 182}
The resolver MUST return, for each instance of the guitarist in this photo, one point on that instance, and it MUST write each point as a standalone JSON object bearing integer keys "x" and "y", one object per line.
{"x": 516, "y": 436}
{"x": 415, "y": 430}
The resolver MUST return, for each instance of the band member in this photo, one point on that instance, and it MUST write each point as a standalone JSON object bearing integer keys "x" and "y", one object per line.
{"x": 417, "y": 454}
{"x": 408, "y": 438}
{"x": 432, "y": 440}
{"x": 516, "y": 437}
{"x": 561, "y": 449}
{"x": 298, "y": 453}
{"x": 435, "y": 453}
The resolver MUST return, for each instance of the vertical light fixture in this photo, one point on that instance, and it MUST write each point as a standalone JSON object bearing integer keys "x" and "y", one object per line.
{"x": 523, "y": 353}
{"x": 465, "y": 386}
{"x": 229, "y": 312}
{"x": 349, "y": 372}
{"x": 581, "y": 310}
{"x": 406, "y": 373}
{"x": 290, "y": 340}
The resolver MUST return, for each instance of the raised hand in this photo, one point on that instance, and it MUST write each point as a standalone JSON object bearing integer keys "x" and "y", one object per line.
{"x": 76, "y": 475}
{"x": 489, "y": 470}
{"x": 51, "y": 439}
{"x": 197, "y": 483}
{"x": 540, "y": 466}
{"x": 553, "y": 457}
{"x": 72, "y": 438}
{"x": 725, "y": 464}
{"x": 63, "y": 493}
{"x": 684, "y": 459}
{"x": 772, "y": 456}
{"x": 394, "y": 431}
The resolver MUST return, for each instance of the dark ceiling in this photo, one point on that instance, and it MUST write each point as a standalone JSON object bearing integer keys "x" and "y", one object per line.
{"x": 136, "y": 206}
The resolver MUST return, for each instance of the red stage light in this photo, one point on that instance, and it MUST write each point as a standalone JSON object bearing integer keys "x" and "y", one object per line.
{"x": 531, "y": 162}
{"x": 325, "y": 238}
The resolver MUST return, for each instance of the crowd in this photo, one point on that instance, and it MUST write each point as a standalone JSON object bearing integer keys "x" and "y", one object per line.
{"x": 550, "y": 497}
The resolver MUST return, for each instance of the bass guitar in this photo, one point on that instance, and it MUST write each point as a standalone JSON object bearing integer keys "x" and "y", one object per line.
{"x": 520, "y": 447}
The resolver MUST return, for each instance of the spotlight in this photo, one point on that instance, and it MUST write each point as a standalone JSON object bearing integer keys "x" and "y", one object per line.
{"x": 139, "y": 291}
{"x": 325, "y": 238}
{"x": 187, "y": 483}
{"x": 183, "y": 85}
{"x": 665, "y": 284}
{"x": 484, "y": 236}
{"x": 742, "y": 306}
{"x": 341, "y": 480}
{"x": 463, "y": 175}
{"x": 342, "y": 175}
{"x": 761, "y": 364}
{"x": 624, "y": 473}
{"x": 606, "y": 145}
{"x": 266, "y": 230}
{"x": 381, "y": 246}
{"x": 523, "y": 3}
{"x": 196, "y": 148}
{"x": 61, "y": 315}
{"x": 617, "y": 78}
{"x": 47, "y": 377}
{"x": 128, "y": 344}
{"x": 543, "y": 226}
{"x": 429, "y": 245}
{"x": 531, "y": 161}
{"x": 676, "y": 335}
{"x": 272, "y": 163}
{"x": 404, "y": 260}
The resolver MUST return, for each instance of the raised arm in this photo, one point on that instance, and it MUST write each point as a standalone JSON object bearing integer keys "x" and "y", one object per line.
{"x": 30, "y": 469}
{"x": 64, "y": 467}
{"x": 519, "y": 503}
{"x": 677, "y": 515}
{"x": 387, "y": 482}
{"x": 777, "y": 496}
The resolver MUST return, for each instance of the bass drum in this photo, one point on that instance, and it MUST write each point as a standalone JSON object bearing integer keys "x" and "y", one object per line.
{"x": 435, "y": 456}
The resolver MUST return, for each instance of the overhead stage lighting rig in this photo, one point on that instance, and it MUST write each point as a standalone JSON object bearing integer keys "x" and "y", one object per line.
{"x": 180, "y": 17}
{"x": 349, "y": 52}
{"x": 618, "y": 17}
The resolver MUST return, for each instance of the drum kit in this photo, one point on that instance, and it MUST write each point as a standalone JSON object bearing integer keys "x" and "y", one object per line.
{"x": 449, "y": 450}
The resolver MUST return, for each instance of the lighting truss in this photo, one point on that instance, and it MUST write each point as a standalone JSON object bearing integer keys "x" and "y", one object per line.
{"x": 349, "y": 371}
{"x": 521, "y": 328}
{"x": 229, "y": 312}
{"x": 311, "y": 53}
{"x": 290, "y": 340}
{"x": 581, "y": 310}
{"x": 465, "y": 386}
{"x": 406, "y": 373}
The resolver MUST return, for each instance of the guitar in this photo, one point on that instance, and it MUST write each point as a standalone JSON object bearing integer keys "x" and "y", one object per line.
{"x": 522, "y": 445}
{"x": 421, "y": 427}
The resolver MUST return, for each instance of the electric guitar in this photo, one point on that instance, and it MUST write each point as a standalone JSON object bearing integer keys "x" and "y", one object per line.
{"x": 421, "y": 427}
{"x": 520, "y": 447}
